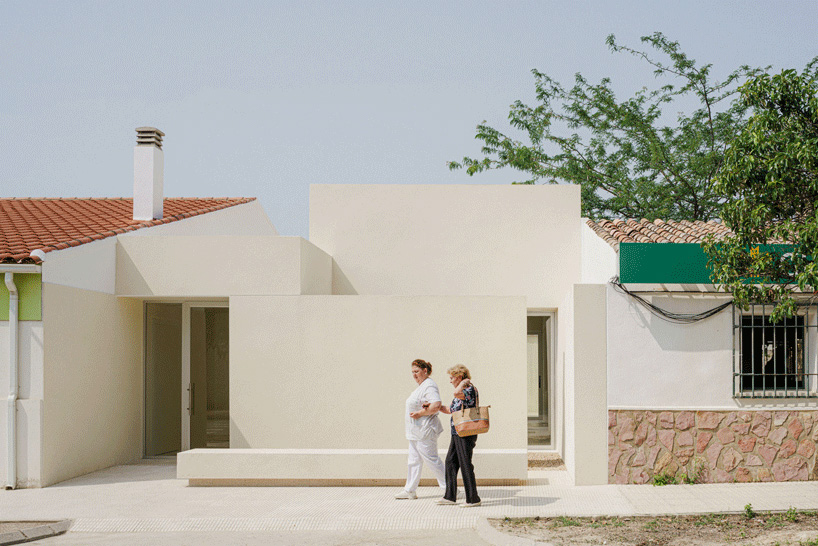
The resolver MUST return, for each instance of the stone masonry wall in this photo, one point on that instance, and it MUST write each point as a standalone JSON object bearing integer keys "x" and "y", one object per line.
{"x": 727, "y": 446}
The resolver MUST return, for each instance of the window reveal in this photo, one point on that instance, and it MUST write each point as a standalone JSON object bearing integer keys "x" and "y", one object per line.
{"x": 772, "y": 360}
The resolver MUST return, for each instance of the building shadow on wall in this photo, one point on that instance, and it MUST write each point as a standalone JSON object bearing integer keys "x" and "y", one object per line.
{"x": 341, "y": 285}
{"x": 700, "y": 337}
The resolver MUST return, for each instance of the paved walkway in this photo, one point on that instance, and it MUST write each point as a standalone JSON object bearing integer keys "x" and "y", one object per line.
{"x": 147, "y": 498}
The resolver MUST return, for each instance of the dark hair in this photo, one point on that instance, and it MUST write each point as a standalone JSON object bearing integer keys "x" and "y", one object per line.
{"x": 423, "y": 365}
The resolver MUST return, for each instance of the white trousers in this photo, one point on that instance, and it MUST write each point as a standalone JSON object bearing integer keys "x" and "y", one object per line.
{"x": 420, "y": 451}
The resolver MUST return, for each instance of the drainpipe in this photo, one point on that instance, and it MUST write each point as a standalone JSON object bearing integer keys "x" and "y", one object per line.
{"x": 11, "y": 415}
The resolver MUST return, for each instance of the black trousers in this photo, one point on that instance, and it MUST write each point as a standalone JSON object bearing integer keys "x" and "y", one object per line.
{"x": 459, "y": 458}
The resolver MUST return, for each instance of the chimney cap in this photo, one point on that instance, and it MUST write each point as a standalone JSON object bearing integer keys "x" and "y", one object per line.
{"x": 149, "y": 136}
{"x": 149, "y": 130}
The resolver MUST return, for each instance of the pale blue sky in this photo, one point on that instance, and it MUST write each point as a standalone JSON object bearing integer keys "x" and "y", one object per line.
{"x": 264, "y": 98}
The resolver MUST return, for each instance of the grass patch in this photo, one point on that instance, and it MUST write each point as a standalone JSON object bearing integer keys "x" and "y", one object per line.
{"x": 749, "y": 527}
{"x": 563, "y": 521}
{"x": 652, "y": 525}
{"x": 664, "y": 479}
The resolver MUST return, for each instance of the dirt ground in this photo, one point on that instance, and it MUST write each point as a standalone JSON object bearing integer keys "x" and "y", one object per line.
{"x": 791, "y": 528}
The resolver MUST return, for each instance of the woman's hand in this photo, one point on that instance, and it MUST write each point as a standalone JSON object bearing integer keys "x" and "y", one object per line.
{"x": 428, "y": 409}
{"x": 458, "y": 391}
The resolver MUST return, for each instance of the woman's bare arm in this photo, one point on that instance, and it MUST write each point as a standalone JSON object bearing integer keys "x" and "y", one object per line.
{"x": 429, "y": 409}
{"x": 458, "y": 391}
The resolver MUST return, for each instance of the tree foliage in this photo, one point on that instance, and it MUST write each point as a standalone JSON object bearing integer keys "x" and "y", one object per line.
{"x": 626, "y": 161}
{"x": 770, "y": 181}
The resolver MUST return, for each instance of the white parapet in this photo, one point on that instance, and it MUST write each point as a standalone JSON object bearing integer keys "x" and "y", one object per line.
{"x": 300, "y": 467}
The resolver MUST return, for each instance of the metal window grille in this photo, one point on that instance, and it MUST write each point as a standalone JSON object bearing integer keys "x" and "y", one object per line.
{"x": 774, "y": 360}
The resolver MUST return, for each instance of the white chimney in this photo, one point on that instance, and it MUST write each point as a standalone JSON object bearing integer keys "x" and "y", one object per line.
{"x": 148, "y": 174}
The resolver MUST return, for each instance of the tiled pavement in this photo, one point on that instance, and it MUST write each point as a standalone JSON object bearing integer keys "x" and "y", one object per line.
{"x": 146, "y": 498}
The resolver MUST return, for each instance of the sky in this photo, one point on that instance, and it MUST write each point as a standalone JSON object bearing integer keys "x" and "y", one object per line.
{"x": 262, "y": 99}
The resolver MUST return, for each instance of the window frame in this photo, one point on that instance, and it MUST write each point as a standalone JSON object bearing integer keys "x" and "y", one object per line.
{"x": 809, "y": 333}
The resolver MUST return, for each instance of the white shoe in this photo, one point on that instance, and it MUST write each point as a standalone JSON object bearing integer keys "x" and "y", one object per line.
{"x": 471, "y": 505}
{"x": 406, "y": 495}
{"x": 446, "y": 502}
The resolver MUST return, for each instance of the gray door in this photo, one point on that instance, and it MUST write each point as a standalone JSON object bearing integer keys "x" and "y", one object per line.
{"x": 163, "y": 379}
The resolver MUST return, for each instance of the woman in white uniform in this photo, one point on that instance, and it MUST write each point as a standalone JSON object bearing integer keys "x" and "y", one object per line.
{"x": 422, "y": 429}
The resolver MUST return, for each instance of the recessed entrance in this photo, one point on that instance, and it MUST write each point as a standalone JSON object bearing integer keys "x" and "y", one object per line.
{"x": 187, "y": 402}
{"x": 163, "y": 379}
{"x": 539, "y": 336}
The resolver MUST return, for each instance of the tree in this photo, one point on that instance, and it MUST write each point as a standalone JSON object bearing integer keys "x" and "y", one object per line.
{"x": 770, "y": 181}
{"x": 627, "y": 162}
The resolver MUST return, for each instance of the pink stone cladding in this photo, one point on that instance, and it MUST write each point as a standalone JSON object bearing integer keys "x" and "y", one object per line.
{"x": 716, "y": 446}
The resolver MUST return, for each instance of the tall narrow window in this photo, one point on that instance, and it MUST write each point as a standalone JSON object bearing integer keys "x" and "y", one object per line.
{"x": 539, "y": 428}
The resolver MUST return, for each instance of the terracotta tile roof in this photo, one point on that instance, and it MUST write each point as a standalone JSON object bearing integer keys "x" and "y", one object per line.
{"x": 27, "y": 224}
{"x": 658, "y": 231}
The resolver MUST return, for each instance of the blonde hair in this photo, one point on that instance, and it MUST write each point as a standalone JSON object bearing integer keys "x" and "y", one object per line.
{"x": 459, "y": 370}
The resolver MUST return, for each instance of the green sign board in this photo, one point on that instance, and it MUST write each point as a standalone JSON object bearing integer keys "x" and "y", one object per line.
{"x": 666, "y": 263}
{"x": 672, "y": 263}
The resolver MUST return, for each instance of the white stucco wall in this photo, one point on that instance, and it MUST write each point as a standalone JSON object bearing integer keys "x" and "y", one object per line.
{"x": 316, "y": 269}
{"x": 565, "y": 384}
{"x": 323, "y": 372}
{"x": 29, "y": 401}
{"x": 599, "y": 259}
{"x": 208, "y": 266}
{"x": 245, "y": 219}
{"x": 450, "y": 240}
{"x": 30, "y": 369}
{"x": 589, "y": 421}
{"x": 92, "y": 266}
{"x": 581, "y": 375}
{"x": 92, "y": 382}
{"x": 655, "y": 364}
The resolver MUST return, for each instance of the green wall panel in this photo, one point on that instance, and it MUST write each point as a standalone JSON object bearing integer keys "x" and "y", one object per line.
{"x": 30, "y": 288}
{"x": 676, "y": 263}
{"x": 670, "y": 263}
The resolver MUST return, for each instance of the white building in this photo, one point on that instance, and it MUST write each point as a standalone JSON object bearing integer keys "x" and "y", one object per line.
{"x": 193, "y": 330}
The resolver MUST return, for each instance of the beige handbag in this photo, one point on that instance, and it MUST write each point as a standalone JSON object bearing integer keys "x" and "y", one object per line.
{"x": 471, "y": 421}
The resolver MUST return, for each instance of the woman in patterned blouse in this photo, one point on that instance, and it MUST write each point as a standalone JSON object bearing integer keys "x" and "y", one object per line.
{"x": 460, "y": 449}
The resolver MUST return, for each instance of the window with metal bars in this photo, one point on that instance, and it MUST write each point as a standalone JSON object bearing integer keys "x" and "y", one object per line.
{"x": 774, "y": 360}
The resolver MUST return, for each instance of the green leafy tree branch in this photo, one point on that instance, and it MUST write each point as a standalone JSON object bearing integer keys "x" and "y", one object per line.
{"x": 770, "y": 182}
{"x": 627, "y": 162}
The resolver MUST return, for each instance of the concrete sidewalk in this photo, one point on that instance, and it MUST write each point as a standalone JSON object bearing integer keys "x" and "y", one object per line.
{"x": 148, "y": 499}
